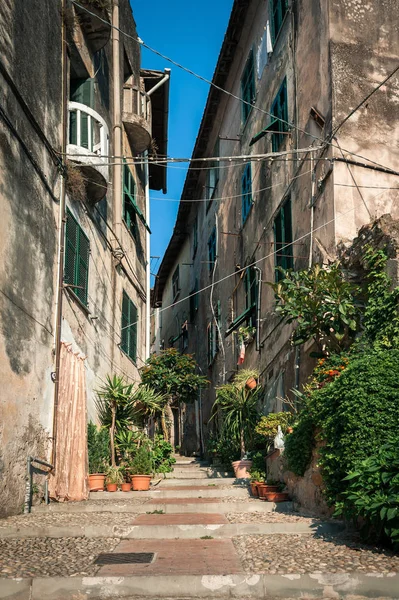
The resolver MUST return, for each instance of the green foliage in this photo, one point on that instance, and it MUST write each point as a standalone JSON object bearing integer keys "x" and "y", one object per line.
{"x": 321, "y": 303}
{"x": 142, "y": 463}
{"x": 114, "y": 475}
{"x": 173, "y": 374}
{"x": 267, "y": 426}
{"x": 147, "y": 403}
{"x": 298, "y": 446}
{"x": 98, "y": 448}
{"x": 373, "y": 494}
{"x": 162, "y": 455}
{"x": 127, "y": 442}
{"x": 238, "y": 406}
{"x": 381, "y": 318}
{"x": 224, "y": 448}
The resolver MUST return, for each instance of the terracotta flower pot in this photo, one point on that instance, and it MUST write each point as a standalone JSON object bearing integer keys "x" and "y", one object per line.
{"x": 254, "y": 488}
{"x": 264, "y": 488}
{"x": 290, "y": 429}
{"x": 141, "y": 483}
{"x": 112, "y": 487}
{"x": 126, "y": 487}
{"x": 277, "y": 496}
{"x": 241, "y": 468}
{"x": 96, "y": 482}
{"x": 251, "y": 383}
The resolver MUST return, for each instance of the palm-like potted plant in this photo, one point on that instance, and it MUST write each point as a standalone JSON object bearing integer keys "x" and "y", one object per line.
{"x": 238, "y": 407}
{"x": 114, "y": 478}
{"x": 257, "y": 479}
{"x": 141, "y": 468}
{"x": 114, "y": 406}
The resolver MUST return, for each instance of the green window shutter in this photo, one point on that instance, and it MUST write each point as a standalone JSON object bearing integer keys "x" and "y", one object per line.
{"x": 71, "y": 243}
{"x": 125, "y": 323}
{"x": 248, "y": 87}
{"x": 82, "y": 275}
{"x": 133, "y": 332}
{"x": 77, "y": 253}
{"x": 129, "y": 327}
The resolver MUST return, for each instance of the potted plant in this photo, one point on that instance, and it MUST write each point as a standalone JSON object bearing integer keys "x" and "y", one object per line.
{"x": 141, "y": 469}
{"x": 114, "y": 478}
{"x": 99, "y": 456}
{"x": 238, "y": 407}
{"x": 268, "y": 487}
{"x": 257, "y": 478}
{"x": 246, "y": 334}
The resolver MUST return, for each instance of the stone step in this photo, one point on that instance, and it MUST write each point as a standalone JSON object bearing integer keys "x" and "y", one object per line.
{"x": 197, "y": 474}
{"x": 180, "y": 506}
{"x": 206, "y": 587}
{"x": 211, "y": 482}
{"x": 204, "y": 491}
{"x": 185, "y": 529}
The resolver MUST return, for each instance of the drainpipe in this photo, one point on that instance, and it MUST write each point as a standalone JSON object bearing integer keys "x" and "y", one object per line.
{"x": 117, "y": 124}
{"x": 147, "y": 268}
{"x": 311, "y": 205}
{"x": 258, "y": 311}
{"x": 161, "y": 82}
{"x": 61, "y": 235}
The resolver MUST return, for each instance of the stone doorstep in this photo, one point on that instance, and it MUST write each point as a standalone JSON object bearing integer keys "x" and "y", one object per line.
{"x": 214, "y": 481}
{"x": 174, "y": 526}
{"x": 167, "y": 508}
{"x": 316, "y": 586}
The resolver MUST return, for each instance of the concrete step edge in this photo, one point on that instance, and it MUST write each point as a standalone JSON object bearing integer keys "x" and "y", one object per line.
{"x": 250, "y": 585}
{"x": 188, "y": 531}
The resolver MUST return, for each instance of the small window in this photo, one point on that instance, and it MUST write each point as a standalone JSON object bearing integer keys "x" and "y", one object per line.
{"x": 212, "y": 250}
{"x": 246, "y": 192}
{"x": 279, "y": 111}
{"x": 129, "y": 202}
{"x": 212, "y": 177}
{"x": 194, "y": 297}
{"x": 248, "y": 87}
{"x": 77, "y": 251}
{"x": 129, "y": 328}
{"x": 195, "y": 236}
{"x": 282, "y": 239}
{"x": 175, "y": 283}
{"x": 278, "y": 10}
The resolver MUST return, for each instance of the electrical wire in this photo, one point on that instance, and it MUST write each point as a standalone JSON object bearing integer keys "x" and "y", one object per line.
{"x": 271, "y": 254}
{"x": 212, "y": 84}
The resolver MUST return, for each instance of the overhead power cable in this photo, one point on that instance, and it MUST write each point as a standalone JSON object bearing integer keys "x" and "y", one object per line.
{"x": 254, "y": 263}
{"x": 212, "y": 84}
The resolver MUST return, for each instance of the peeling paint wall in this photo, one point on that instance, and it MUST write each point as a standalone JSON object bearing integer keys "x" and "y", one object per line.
{"x": 29, "y": 205}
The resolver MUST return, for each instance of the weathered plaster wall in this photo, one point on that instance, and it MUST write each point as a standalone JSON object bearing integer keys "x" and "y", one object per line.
{"x": 29, "y": 190}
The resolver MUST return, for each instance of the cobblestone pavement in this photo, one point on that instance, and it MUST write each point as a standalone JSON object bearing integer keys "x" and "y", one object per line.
{"x": 283, "y": 554}
{"x": 50, "y": 557}
{"x": 270, "y": 517}
{"x": 71, "y": 519}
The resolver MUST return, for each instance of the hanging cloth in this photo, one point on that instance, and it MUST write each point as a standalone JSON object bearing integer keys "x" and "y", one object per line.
{"x": 70, "y": 478}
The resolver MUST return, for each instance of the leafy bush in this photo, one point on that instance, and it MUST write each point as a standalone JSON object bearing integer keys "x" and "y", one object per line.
{"x": 162, "y": 455}
{"x": 98, "y": 448}
{"x": 267, "y": 426}
{"x": 142, "y": 463}
{"x": 356, "y": 409}
{"x": 373, "y": 494}
{"x": 114, "y": 475}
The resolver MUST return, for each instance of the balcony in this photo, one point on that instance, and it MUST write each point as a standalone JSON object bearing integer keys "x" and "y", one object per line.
{"x": 96, "y": 31}
{"x": 136, "y": 117}
{"x": 88, "y": 148}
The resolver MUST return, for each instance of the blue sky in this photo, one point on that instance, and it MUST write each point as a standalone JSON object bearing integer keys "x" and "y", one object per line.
{"x": 190, "y": 33}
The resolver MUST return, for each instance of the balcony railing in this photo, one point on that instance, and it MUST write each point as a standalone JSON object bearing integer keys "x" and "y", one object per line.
{"x": 87, "y": 129}
{"x": 137, "y": 117}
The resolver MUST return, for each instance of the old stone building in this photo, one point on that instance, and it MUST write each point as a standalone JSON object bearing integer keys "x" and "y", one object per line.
{"x": 307, "y": 180}
{"x": 74, "y": 227}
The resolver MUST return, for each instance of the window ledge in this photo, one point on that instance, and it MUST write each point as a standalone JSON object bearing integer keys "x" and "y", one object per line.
{"x": 78, "y": 301}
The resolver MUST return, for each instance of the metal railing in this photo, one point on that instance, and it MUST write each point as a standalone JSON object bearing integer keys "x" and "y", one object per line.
{"x": 87, "y": 129}
{"x": 137, "y": 102}
{"x": 29, "y": 480}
